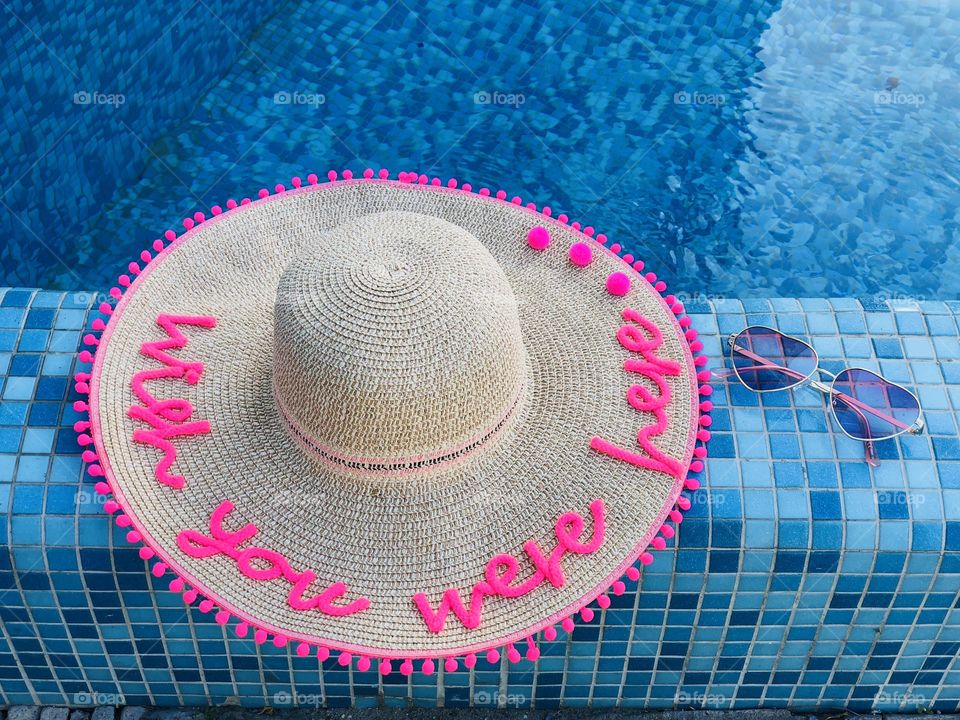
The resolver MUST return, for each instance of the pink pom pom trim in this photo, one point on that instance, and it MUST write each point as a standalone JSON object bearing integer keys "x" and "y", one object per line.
{"x": 580, "y": 254}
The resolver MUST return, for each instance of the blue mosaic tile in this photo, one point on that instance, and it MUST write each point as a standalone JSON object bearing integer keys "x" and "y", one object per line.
{"x": 772, "y": 594}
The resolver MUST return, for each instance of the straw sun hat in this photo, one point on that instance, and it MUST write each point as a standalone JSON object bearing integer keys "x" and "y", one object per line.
{"x": 393, "y": 419}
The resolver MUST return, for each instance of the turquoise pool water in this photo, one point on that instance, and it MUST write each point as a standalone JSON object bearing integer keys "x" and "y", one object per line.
{"x": 801, "y": 148}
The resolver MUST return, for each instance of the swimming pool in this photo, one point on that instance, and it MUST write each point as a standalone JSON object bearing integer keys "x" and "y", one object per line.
{"x": 753, "y": 149}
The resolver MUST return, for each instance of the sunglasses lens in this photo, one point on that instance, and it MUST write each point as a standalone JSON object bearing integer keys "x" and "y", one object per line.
{"x": 765, "y": 359}
{"x": 871, "y": 392}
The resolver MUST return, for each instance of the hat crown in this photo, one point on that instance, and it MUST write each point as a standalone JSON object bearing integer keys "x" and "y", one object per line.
{"x": 397, "y": 344}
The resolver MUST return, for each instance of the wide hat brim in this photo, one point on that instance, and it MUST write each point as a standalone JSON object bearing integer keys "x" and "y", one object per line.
{"x": 390, "y": 541}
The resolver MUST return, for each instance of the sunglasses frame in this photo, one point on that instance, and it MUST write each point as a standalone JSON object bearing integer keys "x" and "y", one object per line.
{"x": 829, "y": 390}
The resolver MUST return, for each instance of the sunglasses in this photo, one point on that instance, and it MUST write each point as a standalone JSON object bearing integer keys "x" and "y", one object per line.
{"x": 866, "y": 406}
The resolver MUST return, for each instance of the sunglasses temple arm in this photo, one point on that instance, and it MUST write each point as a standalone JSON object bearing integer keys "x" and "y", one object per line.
{"x": 869, "y": 450}
{"x": 768, "y": 365}
{"x": 851, "y": 401}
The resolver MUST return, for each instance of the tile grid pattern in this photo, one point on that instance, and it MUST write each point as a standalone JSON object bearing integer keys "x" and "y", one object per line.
{"x": 800, "y": 579}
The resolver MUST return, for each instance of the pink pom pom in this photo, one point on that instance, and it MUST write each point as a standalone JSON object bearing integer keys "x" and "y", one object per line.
{"x": 188, "y": 223}
{"x": 88, "y": 456}
{"x": 547, "y": 210}
{"x": 701, "y": 360}
{"x": 562, "y": 217}
{"x": 241, "y": 630}
{"x": 96, "y": 471}
{"x": 428, "y": 667}
{"x": 452, "y": 183}
{"x": 206, "y": 605}
{"x": 550, "y": 633}
{"x": 703, "y": 435}
{"x": 368, "y": 173}
{"x": 588, "y": 231}
{"x": 402, "y": 177}
{"x": 103, "y": 489}
{"x": 385, "y": 667}
{"x": 485, "y": 192}
{"x": 134, "y": 537}
{"x": 466, "y": 187}
{"x": 296, "y": 181}
{"x": 145, "y": 553}
{"x": 601, "y": 238}
{"x": 567, "y": 624}
{"x": 260, "y": 637}
{"x": 646, "y": 558}
{"x": 691, "y": 484}
{"x": 700, "y": 451}
{"x": 706, "y": 390}
{"x": 85, "y": 356}
{"x": 123, "y": 520}
{"x": 513, "y": 655}
{"x": 176, "y": 585}
{"x": 516, "y": 200}
{"x": 323, "y": 653}
{"x": 303, "y": 649}
{"x": 575, "y": 225}
{"x": 222, "y": 617}
{"x": 501, "y": 195}
{"x": 618, "y": 284}
{"x": 344, "y": 658}
{"x": 633, "y": 573}
{"x": 603, "y": 601}
{"x": 696, "y": 466}
{"x": 279, "y": 188}
{"x": 280, "y": 640}
{"x": 406, "y": 667}
{"x": 616, "y": 247}
{"x": 199, "y": 217}
{"x": 262, "y": 193}
{"x": 580, "y": 254}
{"x": 683, "y": 503}
{"x": 435, "y": 182}
{"x": 676, "y": 516}
{"x": 619, "y": 588}
{"x": 170, "y": 235}
{"x": 423, "y": 179}
{"x": 493, "y": 657}
{"x": 313, "y": 179}
{"x": 159, "y": 569}
{"x": 332, "y": 175}
{"x": 538, "y": 238}
{"x": 659, "y": 543}
{"x": 363, "y": 663}
{"x": 190, "y": 596}
{"x": 470, "y": 661}
{"x": 587, "y": 614}
{"x": 667, "y": 531}
{"x": 81, "y": 425}
{"x": 628, "y": 258}
{"x": 383, "y": 174}
{"x": 348, "y": 174}
{"x": 450, "y": 665}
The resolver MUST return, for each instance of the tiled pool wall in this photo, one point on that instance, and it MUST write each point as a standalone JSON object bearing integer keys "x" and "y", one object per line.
{"x": 90, "y": 87}
{"x": 801, "y": 578}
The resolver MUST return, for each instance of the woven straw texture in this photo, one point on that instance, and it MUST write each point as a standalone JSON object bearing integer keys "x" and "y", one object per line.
{"x": 389, "y": 538}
